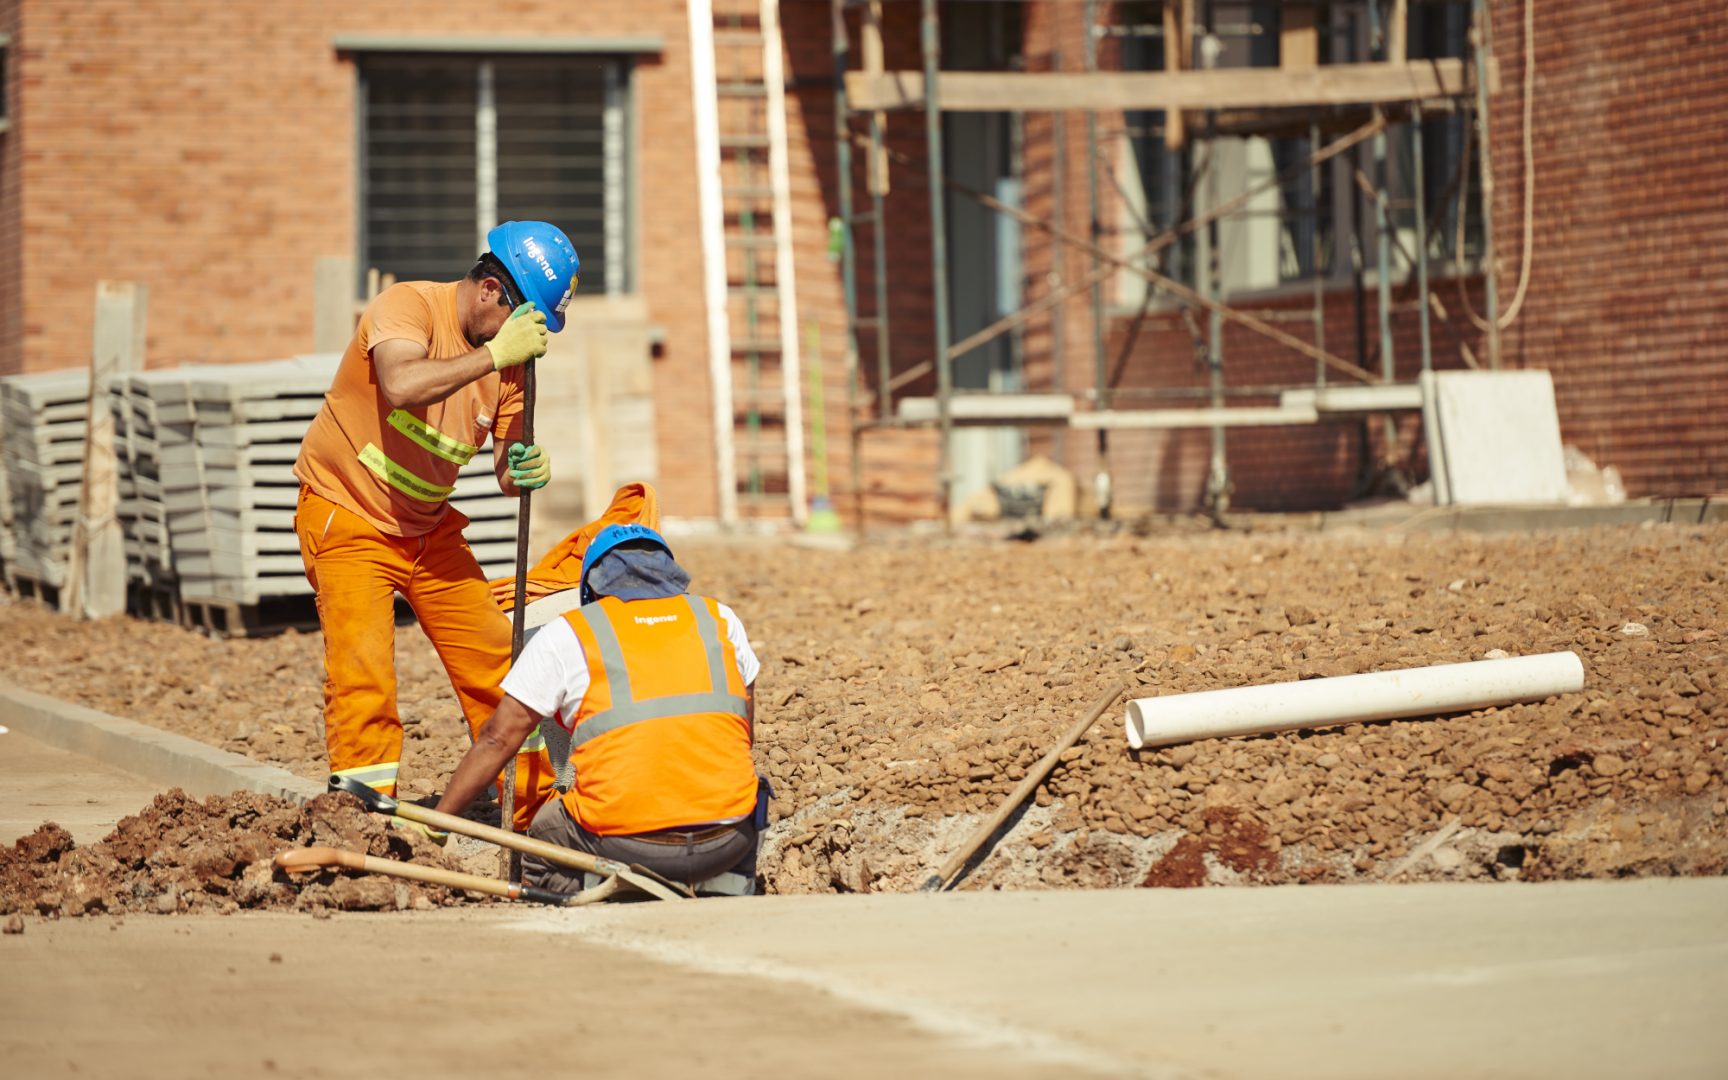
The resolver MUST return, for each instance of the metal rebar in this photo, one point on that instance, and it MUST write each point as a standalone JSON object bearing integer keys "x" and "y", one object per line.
{"x": 1058, "y": 253}
{"x": 931, "y": 43}
{"x": 848, "y": 275}
{"x": 1100, "y": 372}
{"x": 1421, "y": 236}
{"x": 1315, "y": 272}
{"x": 879, "y": 266}
{"x": 1490, "y": 275}
{"x": 1212, "y": 278}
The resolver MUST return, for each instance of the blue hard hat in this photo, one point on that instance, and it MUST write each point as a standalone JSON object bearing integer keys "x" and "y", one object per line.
{"x": 607, "y": 539}
{"x": 542, "y": 264}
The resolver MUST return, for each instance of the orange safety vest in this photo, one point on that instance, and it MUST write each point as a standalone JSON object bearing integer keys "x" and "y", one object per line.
{"x": 660, "y": 739}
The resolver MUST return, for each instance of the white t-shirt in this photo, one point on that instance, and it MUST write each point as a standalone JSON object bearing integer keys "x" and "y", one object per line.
{"x": 551, "y": 675}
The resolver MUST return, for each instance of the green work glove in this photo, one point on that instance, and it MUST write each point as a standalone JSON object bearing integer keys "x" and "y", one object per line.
{"x": 530, "y": 466}
{"x": 437, "y": 836}
{"x": 520, "y": 339}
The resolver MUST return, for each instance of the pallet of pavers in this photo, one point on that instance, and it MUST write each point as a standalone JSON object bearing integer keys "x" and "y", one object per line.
{"x": 42, "y": 422}
{"x": 230, "y": 493}
{"x": 150, "y": 585}
{"x": 163, "y": 442}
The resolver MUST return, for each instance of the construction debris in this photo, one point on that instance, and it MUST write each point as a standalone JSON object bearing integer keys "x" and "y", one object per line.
{"x": 183, "y": 855}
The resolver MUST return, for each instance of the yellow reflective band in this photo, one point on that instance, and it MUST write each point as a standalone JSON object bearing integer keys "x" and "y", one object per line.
{"x": 427, "y": 437}
{"x": 401, "y": 479}
{"x": 379, "y": 777}
{"x": 534, "y": 743}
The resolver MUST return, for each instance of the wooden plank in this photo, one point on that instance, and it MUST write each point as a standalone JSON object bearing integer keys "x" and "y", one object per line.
{"x": 1178, "y": 47}
{"x": 97, "y": 575}
{"x": 332, "y": 302}
{"x": 1298, "y": 38}
{"x": 1169, "y": 419}
{"x": 1234, "y": 88}
{"x": 870, "y": 34}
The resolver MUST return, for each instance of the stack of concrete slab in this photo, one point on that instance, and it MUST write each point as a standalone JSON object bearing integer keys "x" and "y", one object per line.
{"x": 151, "y": 422}
{"x": 206, "y": 482}
{"x": 231, "y": 435}
{"x": 42, "y": 418}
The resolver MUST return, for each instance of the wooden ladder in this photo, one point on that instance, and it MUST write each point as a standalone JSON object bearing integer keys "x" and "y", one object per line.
{"x": 766, "y": 442}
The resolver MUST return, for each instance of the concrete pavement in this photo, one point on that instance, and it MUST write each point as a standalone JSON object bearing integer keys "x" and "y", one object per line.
{"x": 41, "y": 783}
{"x": 1573, "y": 979}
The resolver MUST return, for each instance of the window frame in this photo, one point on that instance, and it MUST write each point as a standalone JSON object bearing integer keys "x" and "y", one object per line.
{"x": 619, "y": 121}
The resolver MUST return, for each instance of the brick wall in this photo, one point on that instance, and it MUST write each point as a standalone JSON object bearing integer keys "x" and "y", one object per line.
{"x": 206, "y": 148}
{"x": 1626, "y": 301}
{"x": 11, "y": 188}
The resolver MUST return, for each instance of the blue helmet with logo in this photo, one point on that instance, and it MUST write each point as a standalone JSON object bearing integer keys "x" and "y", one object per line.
{"x": 542, "y": 263}
{"x": 607, "y": 539}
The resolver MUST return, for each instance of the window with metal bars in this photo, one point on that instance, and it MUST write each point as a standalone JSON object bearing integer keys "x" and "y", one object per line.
{"x": 451, "y": 145}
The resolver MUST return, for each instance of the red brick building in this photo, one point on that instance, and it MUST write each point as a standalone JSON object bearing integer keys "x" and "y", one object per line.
{"x": 216, "y": 151}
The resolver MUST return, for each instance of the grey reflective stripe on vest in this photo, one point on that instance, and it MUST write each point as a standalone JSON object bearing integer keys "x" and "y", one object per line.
{"x": 626, "y": 710}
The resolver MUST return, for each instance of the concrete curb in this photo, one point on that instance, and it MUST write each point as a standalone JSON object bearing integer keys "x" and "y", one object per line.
{"x": 158, "y": 756}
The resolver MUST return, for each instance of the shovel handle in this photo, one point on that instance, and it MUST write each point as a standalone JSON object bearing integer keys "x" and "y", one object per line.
{"x": 301, "y": 860}
{"x": 552, "y": 853}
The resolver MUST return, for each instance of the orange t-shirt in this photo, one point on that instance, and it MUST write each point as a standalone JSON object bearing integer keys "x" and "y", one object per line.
{"x": 396, "y": 467}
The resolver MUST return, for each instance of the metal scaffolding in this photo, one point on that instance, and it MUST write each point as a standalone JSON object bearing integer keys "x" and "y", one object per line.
{"x": 1361, "y": 94}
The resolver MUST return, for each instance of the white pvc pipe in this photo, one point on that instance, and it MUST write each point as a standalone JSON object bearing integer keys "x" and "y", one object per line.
{"x": 1349, "y": 699}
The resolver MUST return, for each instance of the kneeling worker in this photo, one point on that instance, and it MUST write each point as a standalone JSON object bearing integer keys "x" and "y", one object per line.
{"x": 655, "y": 687}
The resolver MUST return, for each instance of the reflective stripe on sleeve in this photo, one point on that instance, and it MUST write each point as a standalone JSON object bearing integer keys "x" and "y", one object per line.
{"x": 401, "y": 479}
{"x": 378, "y": 777}
{"x": 534, "y": 743}
{"x": 427, "y": 437}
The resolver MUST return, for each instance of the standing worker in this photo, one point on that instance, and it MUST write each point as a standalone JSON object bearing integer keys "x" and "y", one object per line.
{"x": 434, "y": 368}
{"x": 656, "y": 688}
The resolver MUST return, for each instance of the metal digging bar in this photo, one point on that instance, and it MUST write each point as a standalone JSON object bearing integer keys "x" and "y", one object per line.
{"x": 639, "y": 877}
{"x": 510, "y": 861}
{"x": 943, "y": 877}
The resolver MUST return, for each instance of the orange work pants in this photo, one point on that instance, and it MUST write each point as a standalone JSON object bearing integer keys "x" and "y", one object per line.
{"x": 355, "y": 570}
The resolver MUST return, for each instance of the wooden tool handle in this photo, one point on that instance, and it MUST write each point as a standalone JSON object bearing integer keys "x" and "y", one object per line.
{"x": 942, "y": 877}
{"x": 513, "y": 841}
{"x": 300, "y": 860}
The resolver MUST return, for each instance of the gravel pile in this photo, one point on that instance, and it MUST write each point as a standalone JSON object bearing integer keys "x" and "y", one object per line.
{"x": 907, "y": 686}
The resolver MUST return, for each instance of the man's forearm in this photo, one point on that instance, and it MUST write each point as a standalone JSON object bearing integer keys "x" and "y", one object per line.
{"x": 499, "y": 739}
{"x": 422, "y": 382}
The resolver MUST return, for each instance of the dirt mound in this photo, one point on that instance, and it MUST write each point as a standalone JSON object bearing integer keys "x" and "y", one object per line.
{"x": 183, "y": 855}
{"x": 908, "y": 685}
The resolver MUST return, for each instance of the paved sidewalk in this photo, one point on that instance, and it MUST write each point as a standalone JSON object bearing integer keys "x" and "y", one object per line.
{"x": 1576, "y": 979}
{"x": 41, "y": 783}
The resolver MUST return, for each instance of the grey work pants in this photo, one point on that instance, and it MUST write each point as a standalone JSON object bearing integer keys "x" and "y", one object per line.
{"x": 733, "y": 852}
